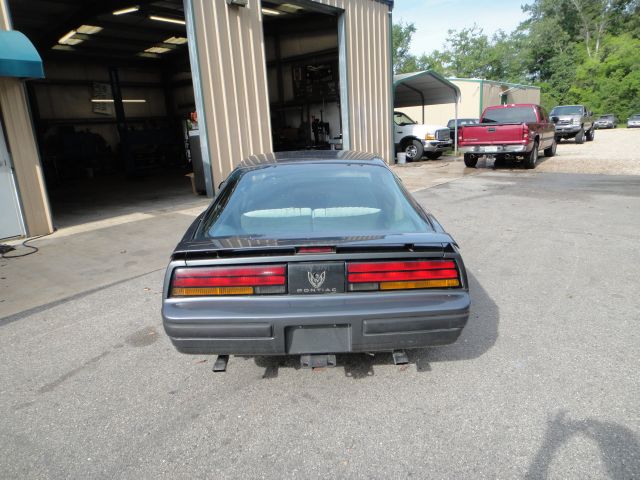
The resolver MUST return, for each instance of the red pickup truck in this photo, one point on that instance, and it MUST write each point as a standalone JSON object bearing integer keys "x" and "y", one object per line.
{"x": 516, "y": 130}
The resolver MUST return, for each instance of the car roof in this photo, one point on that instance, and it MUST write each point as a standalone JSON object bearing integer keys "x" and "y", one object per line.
{"x": 311, "y": 156}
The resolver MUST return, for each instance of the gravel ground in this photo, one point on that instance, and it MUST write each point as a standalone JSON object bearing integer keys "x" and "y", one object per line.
{"x": 613, "y": 152}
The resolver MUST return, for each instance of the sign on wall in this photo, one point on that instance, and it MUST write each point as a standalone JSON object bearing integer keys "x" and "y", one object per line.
{"x": 102, "y": 91}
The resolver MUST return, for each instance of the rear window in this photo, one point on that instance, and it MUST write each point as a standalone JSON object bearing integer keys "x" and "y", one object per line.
{"x": 510, "y": 115}
{"x": 313, "y": 200}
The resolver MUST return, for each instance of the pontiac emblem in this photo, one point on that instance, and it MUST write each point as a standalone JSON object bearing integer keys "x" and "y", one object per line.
{"x": 316, "y": 279}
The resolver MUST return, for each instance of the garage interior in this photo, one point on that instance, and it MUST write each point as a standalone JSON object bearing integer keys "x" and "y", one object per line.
{"x": 113, "y": 115}
{"x": 301, "y": 47}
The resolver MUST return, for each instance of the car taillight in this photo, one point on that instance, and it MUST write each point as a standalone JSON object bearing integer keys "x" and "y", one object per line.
{"x": 525, "y": 132}
{"x": 309, "y": 250}
{"x": 365, "y": 276}
{"x": 246, "y": 280}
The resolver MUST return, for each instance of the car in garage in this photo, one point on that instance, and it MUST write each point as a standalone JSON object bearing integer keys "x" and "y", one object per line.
{"x": 314, "y": 253}
{"x": 417, "y": 140}
{"x": 606, "y": 121}
{"x": 633, "y": 121}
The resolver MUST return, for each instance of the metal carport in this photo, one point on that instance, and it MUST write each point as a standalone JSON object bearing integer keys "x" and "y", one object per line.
{"x": 425, "y": 88}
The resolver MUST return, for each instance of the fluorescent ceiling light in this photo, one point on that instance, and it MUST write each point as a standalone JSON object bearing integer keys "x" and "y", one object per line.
{"x": 73, "y": 41}
{"x": 157, "y": 50}
{"x": 89, "y": 29}
{"x": 67, "y": 36}
{"x": 167, "y": 19}
{"x": 135, "y": 8}
{"x": 287, "y": 7}
{"x": 110, "y": 100}
{"x": 269, "y": 11}
{"x": 176, "y": 40}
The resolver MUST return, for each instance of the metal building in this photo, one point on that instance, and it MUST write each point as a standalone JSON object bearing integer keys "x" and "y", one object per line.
{"x": 267, "y": 75}
{"x": 232, "y": 61}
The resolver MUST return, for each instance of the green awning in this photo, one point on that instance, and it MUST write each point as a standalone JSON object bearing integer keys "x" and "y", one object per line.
{"x": 18, "y": 56}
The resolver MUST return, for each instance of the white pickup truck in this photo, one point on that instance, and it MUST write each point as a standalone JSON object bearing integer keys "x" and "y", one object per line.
{"x": 417, "y": 140}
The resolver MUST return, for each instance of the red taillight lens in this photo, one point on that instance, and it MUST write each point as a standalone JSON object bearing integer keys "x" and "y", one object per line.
{"x": 246, "y": 280}
{"x": 402, "y": 275}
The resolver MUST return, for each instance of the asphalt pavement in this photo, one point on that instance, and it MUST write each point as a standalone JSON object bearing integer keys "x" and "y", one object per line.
{"x": 543, "y": 382}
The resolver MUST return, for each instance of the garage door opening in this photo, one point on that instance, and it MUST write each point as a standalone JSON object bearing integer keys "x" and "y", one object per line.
{"x": 114, "y": 116}
{"x": 302, "y": 45}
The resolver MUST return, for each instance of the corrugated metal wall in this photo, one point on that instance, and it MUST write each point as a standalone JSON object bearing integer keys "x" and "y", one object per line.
{"x": 231, "y": 59}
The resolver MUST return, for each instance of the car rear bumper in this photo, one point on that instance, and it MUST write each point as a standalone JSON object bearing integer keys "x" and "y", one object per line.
{"x": 493, "y": 149}
{"x": 278, "y": 325}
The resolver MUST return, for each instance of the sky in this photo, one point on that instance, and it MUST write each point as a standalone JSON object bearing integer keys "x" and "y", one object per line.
{"x": 432, "y": 18}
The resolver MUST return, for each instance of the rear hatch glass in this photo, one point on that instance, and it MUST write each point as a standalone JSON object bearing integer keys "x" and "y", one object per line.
{"x": 312, "y": 201}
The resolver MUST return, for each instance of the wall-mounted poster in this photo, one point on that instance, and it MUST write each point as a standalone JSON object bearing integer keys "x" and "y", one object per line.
{"x": 100, "y": 101}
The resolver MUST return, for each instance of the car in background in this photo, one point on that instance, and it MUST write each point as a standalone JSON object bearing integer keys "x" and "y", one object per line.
{"x": 451, "y": 124}
{"x": 633, "y": 121}
{"x": 573, "y": 121}
{"x": 417, "y": 140}
{"x": 518, "y": 131}
{"x": 606, "y": 121}
{"x": 314, "y": 253}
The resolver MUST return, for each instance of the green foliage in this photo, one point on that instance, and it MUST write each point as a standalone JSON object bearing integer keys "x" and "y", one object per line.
{"x": 577, "y": 51}
{"x": 401, "y": 35}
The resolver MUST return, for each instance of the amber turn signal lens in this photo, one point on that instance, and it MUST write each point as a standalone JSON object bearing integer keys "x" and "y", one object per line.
{"x": 190, "y": 292}
{"x": 421, "y": 284}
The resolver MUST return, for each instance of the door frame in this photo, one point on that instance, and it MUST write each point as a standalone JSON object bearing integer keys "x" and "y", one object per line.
{"x": 4, "y": 151}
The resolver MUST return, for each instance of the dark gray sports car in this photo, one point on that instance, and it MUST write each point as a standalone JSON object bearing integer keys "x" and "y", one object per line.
{"x": 312, "y": 254}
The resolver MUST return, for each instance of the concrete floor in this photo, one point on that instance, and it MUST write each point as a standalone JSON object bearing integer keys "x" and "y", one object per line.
{"x": 90, "y": 200}
{"x": 109, "y": 230}
{"x": 542, "y": 384}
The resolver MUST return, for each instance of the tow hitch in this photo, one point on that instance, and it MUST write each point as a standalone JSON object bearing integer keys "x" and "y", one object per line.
{"x": 317, "y": 361}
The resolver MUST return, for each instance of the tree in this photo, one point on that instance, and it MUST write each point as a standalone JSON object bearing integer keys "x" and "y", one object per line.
{"x": 401, "y": 34}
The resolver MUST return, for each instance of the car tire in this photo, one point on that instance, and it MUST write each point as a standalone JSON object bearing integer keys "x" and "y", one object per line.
{"x": 558, "y": 139}
{"x": 591, "y": 134}
{"x": 580, "y": 137}
{"x": 470, "y": 160}
{"x": 531, "y": 158}
{"x": 551, "y": 151}
{"x": 434, "y": 155}
{"x": 414, "y": 150}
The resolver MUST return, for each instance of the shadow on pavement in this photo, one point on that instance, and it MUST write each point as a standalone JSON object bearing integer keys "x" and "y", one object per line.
{"x": 479, "y": 335}
{"x": 619, "y": 446}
